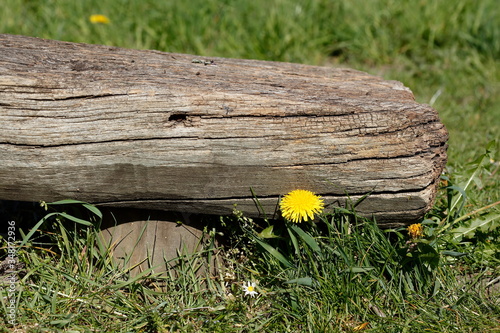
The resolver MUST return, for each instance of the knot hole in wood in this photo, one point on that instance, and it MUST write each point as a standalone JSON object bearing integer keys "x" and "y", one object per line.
{"x": 177, "y": 117}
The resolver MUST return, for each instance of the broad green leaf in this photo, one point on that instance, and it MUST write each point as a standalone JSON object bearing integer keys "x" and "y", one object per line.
{"x": 437, "y": 287}
{"x": 268, "y": 233}
{"x": 93, "y": 209}
{"x": 455, "y": 199}
{"x": 454, "y": 254}
{"x": 478, "y": 182}
{"x": 305, "y": 281}
{"x": 294, "y": 242}
{"x": 485, "y": 223}
{"x": 306, "y": 238}
{"x": 358, "y": 269}
{"x": 65, "y": 202}
{"x": 274, "y": 253}
{"x": 61, "y": 322}
{"x": 477, "y": 167}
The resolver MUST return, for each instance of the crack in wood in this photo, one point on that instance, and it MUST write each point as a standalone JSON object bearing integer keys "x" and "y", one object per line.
{"x": 371, "y": 194}
{"x": 95, "y": 142}
{"x": 77, "y": 97}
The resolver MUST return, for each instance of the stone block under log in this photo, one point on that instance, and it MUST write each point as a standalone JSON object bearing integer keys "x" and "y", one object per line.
{"x": 175, "y": 132}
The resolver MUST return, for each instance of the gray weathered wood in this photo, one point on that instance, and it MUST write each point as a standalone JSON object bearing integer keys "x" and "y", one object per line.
{"x": 141, "y": 239}
{"x": 179, "y": 132}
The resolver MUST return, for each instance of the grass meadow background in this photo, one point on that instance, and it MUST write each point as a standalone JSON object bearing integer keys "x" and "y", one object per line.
{"x": 343, "y": 274}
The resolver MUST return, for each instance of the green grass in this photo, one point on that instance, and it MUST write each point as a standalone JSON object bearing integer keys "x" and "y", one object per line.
{"x": 331, "y": 276}
{"x": 345, "y": 273}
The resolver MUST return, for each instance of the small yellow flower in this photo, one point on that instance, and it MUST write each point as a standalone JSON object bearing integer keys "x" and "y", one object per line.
{"x": 415, "y": 230}
{"x": 99, "y": 19}
{"x": 301, "y": 205}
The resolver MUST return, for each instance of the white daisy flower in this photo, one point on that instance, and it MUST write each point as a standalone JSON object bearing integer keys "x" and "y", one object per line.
{"x": 249, "y": 289}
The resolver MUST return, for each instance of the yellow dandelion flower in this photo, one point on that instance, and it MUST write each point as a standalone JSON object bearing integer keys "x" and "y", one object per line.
{"x": 415, "y": 230}
{"x": 99, "y": 19}
{"x": 301, "y": 205}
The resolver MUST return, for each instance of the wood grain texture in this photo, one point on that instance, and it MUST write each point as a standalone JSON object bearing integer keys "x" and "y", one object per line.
{"x": 179, "y": 132}
{"x": 150, "y": 243}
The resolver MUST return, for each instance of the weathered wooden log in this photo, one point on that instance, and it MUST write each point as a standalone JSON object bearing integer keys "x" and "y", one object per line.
{"x": 130, "y": 128}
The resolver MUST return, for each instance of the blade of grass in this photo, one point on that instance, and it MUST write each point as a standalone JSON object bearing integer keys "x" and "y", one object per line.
{"x": 275, "y": 253}
{"x": 308, "y": 239}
